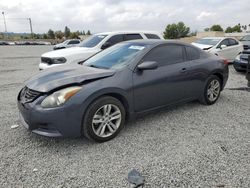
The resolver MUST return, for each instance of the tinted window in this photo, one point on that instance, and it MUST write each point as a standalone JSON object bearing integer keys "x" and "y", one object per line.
{"x": 74, "y": 42}
{"x": 92, "y": 41}
{"x": 224, "y": 42}
{"x": 116, "y": 56}
{"x": 152, "y": 36}
{"x": 115, "y": 39}
{"x": 192, "y": 53}
{"x": 132, "y": 36}
{"x": 164, "y": 55}
{"x": 233, "y": 42}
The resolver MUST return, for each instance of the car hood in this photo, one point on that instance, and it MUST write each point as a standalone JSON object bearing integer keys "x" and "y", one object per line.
{"x": 59, "y": 76}
{"x": 69, "y": 52}
{"x": 202, "y": 46}
{"x": 247, "y": 42}
{"x": 59, "y": 45}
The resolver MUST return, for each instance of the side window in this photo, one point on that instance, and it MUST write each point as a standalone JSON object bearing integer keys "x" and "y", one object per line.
{"x": 115, "y": 39}
{"x": 152, "y": 36}
{"x": 132, "y": 37}
{"x": 233, "y": 42}
{"x": 224, "y": 42}
{"x": 166, "y": 54}
{"x": 74, "y": 42}
{"x": 192, "y": 53}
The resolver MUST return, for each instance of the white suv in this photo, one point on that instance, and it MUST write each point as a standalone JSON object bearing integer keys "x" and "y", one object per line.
{"x": 90, "y": 47}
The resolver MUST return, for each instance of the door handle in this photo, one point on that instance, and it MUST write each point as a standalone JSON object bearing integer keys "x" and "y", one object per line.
{"x": 183, "y": 70}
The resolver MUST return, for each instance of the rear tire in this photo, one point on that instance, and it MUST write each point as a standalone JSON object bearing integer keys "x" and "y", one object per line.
{"x": 104, "y": 119}
{"x": 211, "y": 91}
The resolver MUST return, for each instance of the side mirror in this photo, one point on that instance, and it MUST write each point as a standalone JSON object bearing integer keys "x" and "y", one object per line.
{"x": 223, "y": 46}
{"x": 106, "y": 45}
{"x": 148, "y": 65}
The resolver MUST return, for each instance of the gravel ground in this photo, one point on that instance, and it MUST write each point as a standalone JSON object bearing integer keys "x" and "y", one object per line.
{"x": 188, "y": 145}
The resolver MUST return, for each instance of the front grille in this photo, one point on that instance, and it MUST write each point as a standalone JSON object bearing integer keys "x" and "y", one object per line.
{"x": 47, "y": 60}
{"x": 246, "y": 47}
{"x": 246, "y": 52}
{"x": 28, "y": 95}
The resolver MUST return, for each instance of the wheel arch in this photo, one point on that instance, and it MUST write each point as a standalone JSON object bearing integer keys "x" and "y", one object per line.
{"x": 118, "y": 94}
{"x": 219, "y": 74}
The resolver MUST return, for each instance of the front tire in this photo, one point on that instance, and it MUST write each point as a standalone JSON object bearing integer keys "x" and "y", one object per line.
{"x": 104, "y": 119}
{"x": 211, "y": 91}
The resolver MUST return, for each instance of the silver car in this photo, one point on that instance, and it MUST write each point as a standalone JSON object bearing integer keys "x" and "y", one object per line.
{"x": 67, "y": 44}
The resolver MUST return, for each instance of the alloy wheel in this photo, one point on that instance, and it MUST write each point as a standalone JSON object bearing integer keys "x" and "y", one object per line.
{"x": 213, "y": 90}
{"x": 106, "y": 120}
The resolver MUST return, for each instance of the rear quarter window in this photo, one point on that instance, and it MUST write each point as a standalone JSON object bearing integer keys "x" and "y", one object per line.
{"x": 132, "y": 37}
{"x": 152, "y": 36}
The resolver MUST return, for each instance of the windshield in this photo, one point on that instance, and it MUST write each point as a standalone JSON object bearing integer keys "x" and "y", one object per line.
{"x": 116, "y": 56}
{"x": 92, "y": 41}
{"x": 208, "y": 41}
{"x": 65, "y": 42}
{"x": 245, "y": 38}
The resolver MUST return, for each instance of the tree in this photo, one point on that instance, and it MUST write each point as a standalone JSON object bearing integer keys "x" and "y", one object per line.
{"x": 83, "y": 32}
{"x": 236, "y": 28}
{"x": 37, "y": 36}
{"x": 206, "y": 29}
{"x": 216, "y": 28}
{"x": 74, "y": 35}
{"x": 66, "y": 32}
{"x": 176, "y": 31}
{"x": 192, "y": 34}
{"x": 229, "y": 30}
{"x": 59, "y": 34}
{"x": 51, "y": 34}
{"x": 88, "y": 32}
{"x": 45, "y": 36}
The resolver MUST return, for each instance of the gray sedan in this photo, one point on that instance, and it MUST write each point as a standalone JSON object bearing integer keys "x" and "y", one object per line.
{"x": 94, "y": 98}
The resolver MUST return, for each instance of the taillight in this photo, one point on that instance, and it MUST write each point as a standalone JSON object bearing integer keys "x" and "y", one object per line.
{"x": 225, "y": 61}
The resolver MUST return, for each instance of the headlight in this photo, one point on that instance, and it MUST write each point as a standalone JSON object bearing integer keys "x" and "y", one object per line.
{"x": 59, "y": 60}
{"x": 58, "y": 98}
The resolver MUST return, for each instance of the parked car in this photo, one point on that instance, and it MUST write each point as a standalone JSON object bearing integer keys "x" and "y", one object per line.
{"x": 4, "y": 43}
{"x": 67, "y": 44}
{"x": 225, "y": 47}
{"x": 246, "y": 42}
{"x": 90, "y": 47}
{"x": 241, "y": 61}
{"x": 96, "y": 97}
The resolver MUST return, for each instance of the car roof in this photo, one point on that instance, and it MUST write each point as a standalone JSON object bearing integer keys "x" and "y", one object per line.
{"x": 127, "y": 32}
{"x": 219, "y": 38}
{"x": 156, "y": 42}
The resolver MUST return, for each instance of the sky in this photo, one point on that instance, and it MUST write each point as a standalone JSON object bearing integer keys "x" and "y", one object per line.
{"x": 113, "y": 15}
